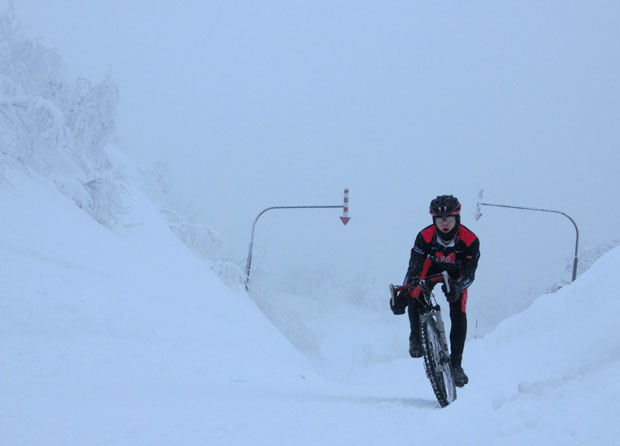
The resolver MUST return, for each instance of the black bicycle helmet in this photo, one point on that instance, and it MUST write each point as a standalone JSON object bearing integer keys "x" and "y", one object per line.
{"x": 444, "y": 206}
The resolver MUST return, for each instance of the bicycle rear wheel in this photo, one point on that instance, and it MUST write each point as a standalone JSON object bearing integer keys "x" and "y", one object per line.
{"x": 437, "y": 361}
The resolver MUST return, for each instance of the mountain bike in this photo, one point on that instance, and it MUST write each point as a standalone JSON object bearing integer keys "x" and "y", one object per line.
{"x": 433, "y": 337}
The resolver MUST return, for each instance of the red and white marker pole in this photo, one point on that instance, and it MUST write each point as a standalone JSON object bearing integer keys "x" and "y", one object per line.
{"x": 345, "y": 208}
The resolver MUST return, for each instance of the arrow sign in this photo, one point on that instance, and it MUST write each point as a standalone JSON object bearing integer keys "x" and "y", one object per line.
{"x": 345, "y": 208}
{"x": 478, "y": 213}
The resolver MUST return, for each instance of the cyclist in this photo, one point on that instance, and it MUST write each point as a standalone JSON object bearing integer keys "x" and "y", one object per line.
{"x": 446, "y": 245}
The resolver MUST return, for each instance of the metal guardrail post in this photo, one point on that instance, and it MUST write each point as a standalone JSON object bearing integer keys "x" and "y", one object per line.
{"x": 576, "y": 257}
{"x": 344, "y": 218}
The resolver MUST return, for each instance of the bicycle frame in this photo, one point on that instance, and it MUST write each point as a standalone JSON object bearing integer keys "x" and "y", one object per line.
{"x": 435, "y": 312}
{"x": 430, "y": 307}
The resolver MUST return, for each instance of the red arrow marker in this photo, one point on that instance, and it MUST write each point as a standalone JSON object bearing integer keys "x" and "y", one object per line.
{"x": 345, "y": 208}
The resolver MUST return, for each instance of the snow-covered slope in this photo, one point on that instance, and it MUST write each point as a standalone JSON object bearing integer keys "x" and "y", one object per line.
{"x": 550, "y": 374}
{"x": 126, "y": 337}
{"x": 93, "y": 320}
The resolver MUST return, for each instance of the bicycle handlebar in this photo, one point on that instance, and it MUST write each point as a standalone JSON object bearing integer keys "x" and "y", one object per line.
{"x": 436, "y": 278}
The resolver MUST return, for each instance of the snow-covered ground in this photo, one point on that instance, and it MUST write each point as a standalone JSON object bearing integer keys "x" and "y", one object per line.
{"x": 126, "y": 337}
{"x": 114, "y": 332}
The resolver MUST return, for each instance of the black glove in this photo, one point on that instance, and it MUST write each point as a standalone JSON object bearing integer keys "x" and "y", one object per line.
{"x": 456, "y": 289}
{"x": 398, "y": 304}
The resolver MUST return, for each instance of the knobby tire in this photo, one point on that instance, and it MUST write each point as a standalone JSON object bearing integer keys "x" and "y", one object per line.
{"x": 437, "y": 362}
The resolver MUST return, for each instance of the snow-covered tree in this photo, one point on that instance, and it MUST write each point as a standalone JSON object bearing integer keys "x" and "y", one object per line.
{"x": 57, "y": 127}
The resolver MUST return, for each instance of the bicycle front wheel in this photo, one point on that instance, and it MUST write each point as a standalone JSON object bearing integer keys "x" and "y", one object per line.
{"x": 437, "y": 361}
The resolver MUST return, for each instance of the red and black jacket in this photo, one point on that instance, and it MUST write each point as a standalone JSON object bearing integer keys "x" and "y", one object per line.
{"x": 430, "y": 256}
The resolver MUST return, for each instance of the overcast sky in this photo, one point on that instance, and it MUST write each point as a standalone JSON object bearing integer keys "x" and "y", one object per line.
{"x": 259, "y": 103}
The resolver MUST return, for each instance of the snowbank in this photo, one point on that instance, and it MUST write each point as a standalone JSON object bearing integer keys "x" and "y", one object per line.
{"x": 91, "y": 315}
{"x": 549, "y": 374}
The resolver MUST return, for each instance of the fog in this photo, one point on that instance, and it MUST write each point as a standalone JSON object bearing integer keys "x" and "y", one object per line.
{"x": 246, "y": 105}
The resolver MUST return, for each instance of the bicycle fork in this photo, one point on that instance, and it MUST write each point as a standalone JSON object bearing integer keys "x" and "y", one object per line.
{"x": 442, "y": 334}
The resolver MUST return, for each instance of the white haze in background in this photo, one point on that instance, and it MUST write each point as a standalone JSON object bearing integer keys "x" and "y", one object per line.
{"x": 118, "y": 334}
{"x": 113, "y": 332}
{"x": 253, "y": 104}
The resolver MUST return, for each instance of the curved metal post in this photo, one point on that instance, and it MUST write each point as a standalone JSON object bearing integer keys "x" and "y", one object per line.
{"x": 575, "y": 260}
{"x": 249, "y": 263}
